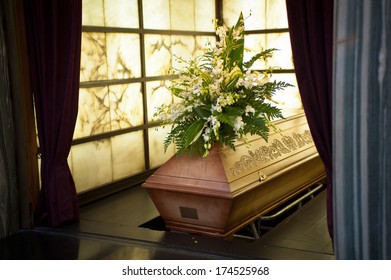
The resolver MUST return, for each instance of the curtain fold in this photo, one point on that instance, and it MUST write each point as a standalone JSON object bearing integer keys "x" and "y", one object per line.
{"x": 8, "y": 181}
{"x": 362, "y": 130}
{"x": 54, "y": 42}
{"x": 311, "y": 33}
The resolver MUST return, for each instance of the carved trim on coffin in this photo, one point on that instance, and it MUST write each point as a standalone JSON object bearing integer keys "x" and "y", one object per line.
{"x": 279, "y": 147}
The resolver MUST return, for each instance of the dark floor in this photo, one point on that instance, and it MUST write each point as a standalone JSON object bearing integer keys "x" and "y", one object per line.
{"x": 112, "y": 229}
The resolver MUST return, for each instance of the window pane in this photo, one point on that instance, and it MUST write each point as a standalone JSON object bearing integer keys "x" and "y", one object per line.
{"x": 128, "y": 154}
{"x": 158, "y": 93}
{"x": 253, "y": 45}
{"x": 183, "y": 46}
{"x": 91, "y": 164}
{"x": 188, "y": 47}
{"x": 232, "y": 9}
{"x": 121, "y": 61}
{"x": 93, "y": 13}
{"x": 157, "y": 156}
{"x": 123, "y": 55}
{"x": 182, "y": 15}
{"x": 121, "y": 13}
{"x": 289, "y": 98}
{"x": 93, "y": 62}
{"x": 179, "y": 14}
{"x": 104, "y": 109}
{"x": 99, "y": 162}
{"x": 283, "y": 56}
{"x": 126, "y": 106}
{"x": 111, "y": 13}
{"x": 264, "y": 14}
{"x": 94, "y": 112}
{"x": 157, "y": 54}
{"x": 276, "y": 14}
{"x": 205, "y": 12}
{"x": 156, "y": 14}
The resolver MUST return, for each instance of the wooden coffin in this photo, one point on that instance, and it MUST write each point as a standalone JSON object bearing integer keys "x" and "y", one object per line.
{"x": 219, "y": 194}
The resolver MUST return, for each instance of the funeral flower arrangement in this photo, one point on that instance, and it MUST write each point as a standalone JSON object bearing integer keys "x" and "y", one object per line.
{"x": 219, "y": 99}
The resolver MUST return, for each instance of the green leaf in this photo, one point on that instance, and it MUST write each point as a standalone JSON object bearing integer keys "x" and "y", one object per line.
{"x": 264, "y": 55}
{"x": 269, "y": 110}
{"x": 236, "y": 46}
{"x": 229, "y": 115}
{"x": 206, "y": 77}
{"x": 232, "y": 78}
{"x": 257, "y": 126}
{"x": 193, "y": 132}
{"x": 202, "y": 111}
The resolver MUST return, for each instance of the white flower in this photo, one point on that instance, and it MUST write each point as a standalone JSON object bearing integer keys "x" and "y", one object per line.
{"x": 239, "y": 124}
{"x": 239, "y": 83}
{"x": 215, "y": 125}
{"x": 206, "y": 134}
{"x": 221, "y": 31}
{"x": 214, "y": 121}
{"x": 249, "y": 110}
{"x": 249, "y": 80}
{"x": 216, "y": 108}
{"x": 218, "y": 68}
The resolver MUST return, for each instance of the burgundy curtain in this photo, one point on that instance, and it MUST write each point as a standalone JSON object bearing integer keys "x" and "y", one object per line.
{"x": 54, "y": 42}
{"x": 311, "y": 33}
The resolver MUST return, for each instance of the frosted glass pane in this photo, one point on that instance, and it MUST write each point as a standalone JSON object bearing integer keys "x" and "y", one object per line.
{"x": 128, "y": 154}
{"x": 93, "y": 61}
{"x": 93, "y": 12}
{"x": 94, "y": 112}
{"x": 105, "y": 109}
{"x": 121, "y": 13}
{"x": 201, "y": 43}
{"x": 182, "y": 15}
{"x": 157, "y": 156}
{"x": 188, "y": 47}
{"x": 283, "y": 56}
{"x": 123, "y": 55}
{"x": 179, "y": 14}
{"x": 205, "y": 12}
{"x": 289, "y": 98}
{"x": 253, "y": 45}
{"x": 110, "y": 13}
{"x": 157, "y": 14}
{"x": 257, "y": 8}
{"x": 183, "y": 47}
{"x": 158, "y": 93}
{"x": 276, "y": 14}
{"x": 126, "y": 106}
{"x": 157, "y": 54}
{"x": 91, "y": 164}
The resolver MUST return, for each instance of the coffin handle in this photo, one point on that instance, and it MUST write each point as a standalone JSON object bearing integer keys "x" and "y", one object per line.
{"x": 262, "y": 177}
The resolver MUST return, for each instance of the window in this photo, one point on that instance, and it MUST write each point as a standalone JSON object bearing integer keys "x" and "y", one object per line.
{"x": 266, "y": 25}
{"x": 128, "y": 48}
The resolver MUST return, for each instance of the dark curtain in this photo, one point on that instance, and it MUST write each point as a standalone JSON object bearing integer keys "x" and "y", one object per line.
{"x": 8, "y": 180}
{"x": 54, "y": 42}
{"x": 311, "y": 33}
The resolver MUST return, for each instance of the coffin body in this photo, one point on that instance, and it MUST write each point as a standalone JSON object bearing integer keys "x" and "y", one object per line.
{"x": 219, "y": 194}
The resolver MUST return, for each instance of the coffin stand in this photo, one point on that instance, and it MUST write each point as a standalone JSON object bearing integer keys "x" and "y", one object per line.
{"x": 220, "y": 194}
